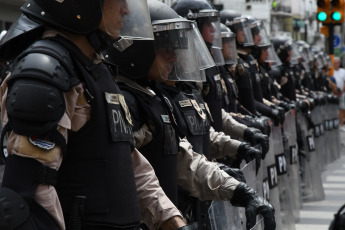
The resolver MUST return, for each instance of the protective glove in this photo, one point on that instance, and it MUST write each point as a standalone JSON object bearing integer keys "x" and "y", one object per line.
{"x": 255, "y": 137}
{"x": 279, "y": 116}
{"x": 248, "y": 153}
{"x": 234, "y": 172}
{"x": 275, "y": 115}
{"x": 264, "y": 125}
{"x": 193, "y": 226}
{"x": 245, "y": 196}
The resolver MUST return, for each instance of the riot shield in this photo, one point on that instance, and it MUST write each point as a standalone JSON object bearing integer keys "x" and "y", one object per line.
{"x": 270, "y": 180}
{"x": 249, "y": 172}
{"x": 291, "y": 153}
{"x": 318, "y": 117}
{"x": 223, "y": 216}
{"x": 311, "y": 183}
{"x": 284, "y": 187}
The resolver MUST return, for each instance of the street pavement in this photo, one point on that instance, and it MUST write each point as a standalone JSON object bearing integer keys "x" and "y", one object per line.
{"x": 318, "y": 215}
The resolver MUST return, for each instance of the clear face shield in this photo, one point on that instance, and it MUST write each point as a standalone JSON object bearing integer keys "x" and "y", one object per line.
{"x": 242, "y": 30}
{"x": 271, "y": 56}
{"x": 319, "y": 61}
{"x": 260, "y": 36}
{"x": 209, "y": 26}
{"x": 206, "y": 60}
{"x": 136, "y": 24}
{"x": 329, "y": 61}
{"x": 295, "y": 54}
{"x": 229, "y": 48}
{"x": 175, "y": 49}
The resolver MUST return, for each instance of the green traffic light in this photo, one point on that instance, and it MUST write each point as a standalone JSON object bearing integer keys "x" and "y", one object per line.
{"x": 321, "y": 16}
{"x": 336, "y": 16}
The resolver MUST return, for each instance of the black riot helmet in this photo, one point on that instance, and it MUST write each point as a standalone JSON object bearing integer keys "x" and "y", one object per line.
{"x": 283, "y": 48}
{"x": 241, "y": 27}
{"x": 173, "y": 36}
{"x": 228, "y": 15}
{"x": 77, "y": 16}
{"x": 229, "y": 45}
{"x": 260, "y": 37}
{"x": 208, "y": 21}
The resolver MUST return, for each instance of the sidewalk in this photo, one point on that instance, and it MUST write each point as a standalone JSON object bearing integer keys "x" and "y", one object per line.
{"x": 318, "y": 215}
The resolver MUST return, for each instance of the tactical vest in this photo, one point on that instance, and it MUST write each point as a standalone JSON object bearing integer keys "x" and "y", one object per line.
{"x": 230, "y": 101}
{"x": 213, "y": 95}
{"x": 288, "y": 89}
{"x": 162, "y": 151}
{"x": 98, "y": 164}
{"x": 191, "y": 119}
{"x": 255, "y": 77}
{"x": 244, "y": 84}
{"x": 266, "y": 83}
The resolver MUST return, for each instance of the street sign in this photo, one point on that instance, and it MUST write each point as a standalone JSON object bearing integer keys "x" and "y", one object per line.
{"x": 336, "y": 40}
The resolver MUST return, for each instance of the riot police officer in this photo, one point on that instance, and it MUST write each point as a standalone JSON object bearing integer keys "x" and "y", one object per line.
{"x": 285, "y": 75}
{"x": 172, "y": 58}
{"x": 208, "y": 21}
{"x": 65, "y": 113}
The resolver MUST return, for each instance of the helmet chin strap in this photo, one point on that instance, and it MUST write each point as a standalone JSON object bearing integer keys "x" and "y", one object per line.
{"x": 99, "y": 40}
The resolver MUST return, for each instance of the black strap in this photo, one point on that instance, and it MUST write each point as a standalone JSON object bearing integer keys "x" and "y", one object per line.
{"x": 3, "y": 133}
{"x": 23, "y": 175}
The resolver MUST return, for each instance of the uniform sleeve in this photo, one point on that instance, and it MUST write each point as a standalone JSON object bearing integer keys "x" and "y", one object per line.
{"x": 202, "y": 178}
{"x": 142, "y": 137}
{"x": 222, "y": 145}
{"x": 75, "y": 116}
{"x": 155, "y": 206}
{"x": 231, "y": 126}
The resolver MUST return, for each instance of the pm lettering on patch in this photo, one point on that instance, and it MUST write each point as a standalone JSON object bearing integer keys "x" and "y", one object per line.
{"x": 120, "y": 128}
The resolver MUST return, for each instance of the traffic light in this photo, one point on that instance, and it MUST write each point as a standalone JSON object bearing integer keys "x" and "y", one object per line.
{"x": 337, "y": 14}
{"x": 324, "y": 11}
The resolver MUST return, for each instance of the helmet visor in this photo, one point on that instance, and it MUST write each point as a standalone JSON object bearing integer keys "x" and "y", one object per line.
{"x": 229, "y": 48}
{"x": 176, "y": 54}
{"x": 295, "y": 54}
{"x": 260, "y": 37}
{"x": 319, "y": 61}
{"x": 272, "y": 56}
{"x": 329, "y": 61}
{"x": 137, "y": 23}
{"x": 210, "y": 30}
{"x": 206, "y": 60}
{"x": 243, "y": 32}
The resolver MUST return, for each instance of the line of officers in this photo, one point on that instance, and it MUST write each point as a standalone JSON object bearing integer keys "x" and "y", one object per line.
{"x": 118, "y": 117}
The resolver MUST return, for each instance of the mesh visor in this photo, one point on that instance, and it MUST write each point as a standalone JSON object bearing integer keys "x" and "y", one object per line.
{"x": 243, "y": 32}
{"x": 260, "y": 37}
{"x": 272, "y": 56}
{"x": 137, "y": 23}
{"x": 175, "y": 51}
{"x": 229, "y": 48}
{"x": 206, "y": 60}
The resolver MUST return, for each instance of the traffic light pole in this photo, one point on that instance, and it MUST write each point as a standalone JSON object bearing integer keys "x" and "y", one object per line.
{"x": 331, "y": 45}
{"x": 330, "y": 39}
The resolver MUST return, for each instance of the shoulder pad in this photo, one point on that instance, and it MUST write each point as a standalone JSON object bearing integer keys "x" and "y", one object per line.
{"x": 48, "y": 61}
